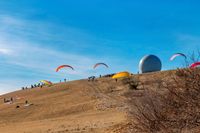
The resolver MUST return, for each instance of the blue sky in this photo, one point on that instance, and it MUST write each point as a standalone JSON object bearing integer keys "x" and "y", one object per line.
{"x": 38, "y": 35}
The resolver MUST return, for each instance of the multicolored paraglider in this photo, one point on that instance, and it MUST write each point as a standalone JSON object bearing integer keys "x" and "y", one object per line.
{"x": 194, "y": 65}
{"x": 121, "y": 75}
{"x": 46, "y": 82}
{"x": 176, "y": 55}
{"x": 100, "y": 64}
{"x": 64, "y": 66}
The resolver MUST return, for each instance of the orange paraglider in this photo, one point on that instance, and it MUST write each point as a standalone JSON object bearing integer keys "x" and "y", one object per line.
{"x": 64, "y": 66}
{"x": 99, "y": 64}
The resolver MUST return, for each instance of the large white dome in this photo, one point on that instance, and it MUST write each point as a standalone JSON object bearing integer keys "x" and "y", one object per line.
{"x": 150, "y": 63}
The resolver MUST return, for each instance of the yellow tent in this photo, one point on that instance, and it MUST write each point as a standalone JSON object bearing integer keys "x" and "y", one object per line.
{"x": 121, "y": 75}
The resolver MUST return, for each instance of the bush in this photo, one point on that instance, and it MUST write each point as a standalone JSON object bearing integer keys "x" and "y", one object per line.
{"x": 177, "y": 109}
{"x": 132, "y": 82}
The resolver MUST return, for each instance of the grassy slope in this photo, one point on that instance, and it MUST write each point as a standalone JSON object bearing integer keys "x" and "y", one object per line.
{"x": 76, "y": 106}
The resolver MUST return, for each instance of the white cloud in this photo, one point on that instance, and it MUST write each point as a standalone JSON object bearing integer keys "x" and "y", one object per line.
{"x": 29, "y": 55}
{"x": 5, "y": 51}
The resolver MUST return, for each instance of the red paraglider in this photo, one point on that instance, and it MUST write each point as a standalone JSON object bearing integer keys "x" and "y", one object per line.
{"x": 194, "y": 65}
{"x": 98, "y": 64}
{"x": 63, "y": 66}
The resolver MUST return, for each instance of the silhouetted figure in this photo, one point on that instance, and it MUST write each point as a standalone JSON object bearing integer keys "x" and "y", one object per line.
{"x": 8, "y": 101}
{"x": 31, "y": 86}
{"x": 99, "y": 76}
{"x": 65, "y": 80}
{"x": 11, "y": 99}
{"x": 41, "y": 86}
{"x": 22, "y": 88}
{"x": 38, "y": 85}
{"x": 26, "y": 88}
{"x": 116, "y": 79}
{"x": 60, "y": 81}
{"x": 26, "y": 102}
{"x": 91, "y": 78}
{"x": 35, "y": 85}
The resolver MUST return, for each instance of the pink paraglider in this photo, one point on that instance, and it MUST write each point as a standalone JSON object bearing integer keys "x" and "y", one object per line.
{"x": 176, "y": 55}
{"x": 64, "y": 66}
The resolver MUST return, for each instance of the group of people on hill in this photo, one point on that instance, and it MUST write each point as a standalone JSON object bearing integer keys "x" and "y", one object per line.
{"x": 33, "y": 86}
{"x": 26, "y": 104}
{"x": 38, "y": 85}
{"x": 91, "y": 78}
{"x": 10, "y": 100}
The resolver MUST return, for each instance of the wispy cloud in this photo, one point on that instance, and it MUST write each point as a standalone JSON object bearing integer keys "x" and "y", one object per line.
{"x": 5, "y": 51}
{"x": 33, "y": 49}
{"x": 33, "y": 58}
{"x": 7, "y": 20}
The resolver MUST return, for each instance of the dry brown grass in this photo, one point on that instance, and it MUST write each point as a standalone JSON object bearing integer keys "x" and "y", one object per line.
{"x": 175, "y": 109}
{"x": 138, "y": 104}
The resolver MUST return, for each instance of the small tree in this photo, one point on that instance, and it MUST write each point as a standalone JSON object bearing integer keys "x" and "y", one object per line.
{"x": 193, "y": 57}
{"x": 176, "y": 109}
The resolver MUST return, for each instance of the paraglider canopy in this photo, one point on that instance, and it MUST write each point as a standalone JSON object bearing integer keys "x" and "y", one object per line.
{"x": 64, "y": 66}
{"x": 99, "y": 64}
{"x": 46, "y": 82}
{"x": 194, "y": 65}
{"x": 176, "y": 55}
{"x": 121, "y": 75}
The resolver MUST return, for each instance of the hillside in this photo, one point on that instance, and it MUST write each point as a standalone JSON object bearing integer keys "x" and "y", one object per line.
{"x": 75, "y": 106}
